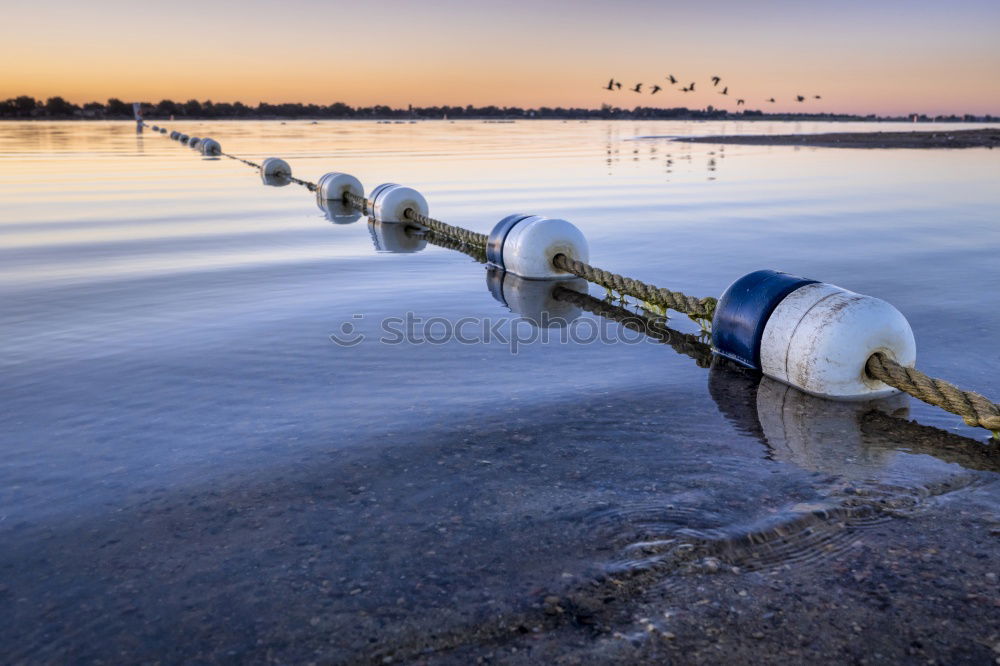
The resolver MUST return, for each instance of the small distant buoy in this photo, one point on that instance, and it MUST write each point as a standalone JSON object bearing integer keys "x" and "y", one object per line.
{"x": 330, "y": 190}
{"x": 526, "y": 244}
{"x": 174, "y": 134}
{"x": 156, "y": 128}
{"x": 210, "y": 147}
{"x": 193, "y": 142}
{"x": 395, "y": 238}
{"x": 814, "y": 336}
{"x": 390, "y": 202}
{"x": 183, "y": 138}
{"x": 163, "y": 130}
{"x": 534, "y": 300}
{"x": 275, "y": 172}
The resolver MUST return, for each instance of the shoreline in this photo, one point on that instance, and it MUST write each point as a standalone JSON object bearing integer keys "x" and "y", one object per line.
{"x": 974, "y": 138}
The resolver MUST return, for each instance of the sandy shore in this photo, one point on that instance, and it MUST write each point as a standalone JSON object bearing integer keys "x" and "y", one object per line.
{"x": 942, "y": 138}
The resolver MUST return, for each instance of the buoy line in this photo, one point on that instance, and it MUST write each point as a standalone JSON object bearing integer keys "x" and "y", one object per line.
{"x": 819, "y": 338}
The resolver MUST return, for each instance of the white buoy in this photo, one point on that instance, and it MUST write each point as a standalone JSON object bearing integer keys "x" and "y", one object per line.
{"x": 394, "y": 238}
{"x": 390, "y": 202}
{"x": 330, "y": 190}
{"x": 535, "y": 300}
{"x": 525, "y": 245}
{"x": 816, "y": 337}
{"x": 210, "y": 147}
{"x": 275, "y": 172}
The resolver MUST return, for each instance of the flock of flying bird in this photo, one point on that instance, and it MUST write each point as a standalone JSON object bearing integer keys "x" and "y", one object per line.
{"x": 716, "y": 80}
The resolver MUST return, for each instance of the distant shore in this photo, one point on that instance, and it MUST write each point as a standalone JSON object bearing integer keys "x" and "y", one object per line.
{"x": 943, "y": 138}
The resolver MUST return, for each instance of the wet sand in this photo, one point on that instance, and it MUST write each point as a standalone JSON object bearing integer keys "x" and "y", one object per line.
{"x": 943, "y": 138}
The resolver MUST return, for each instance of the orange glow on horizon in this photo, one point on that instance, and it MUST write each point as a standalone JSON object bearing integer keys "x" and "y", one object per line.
{"x": 447, "y": 53}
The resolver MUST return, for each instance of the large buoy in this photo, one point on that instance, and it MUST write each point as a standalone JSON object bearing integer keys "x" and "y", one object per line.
{"x": 814, "y": 336}
{"x": 275, "y": 172}
{"x": 526, "y": 244}
{"x": 390, "y": 202}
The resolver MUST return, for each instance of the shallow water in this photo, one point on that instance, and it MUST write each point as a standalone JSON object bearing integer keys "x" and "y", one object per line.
{"x": 185, "y": 447}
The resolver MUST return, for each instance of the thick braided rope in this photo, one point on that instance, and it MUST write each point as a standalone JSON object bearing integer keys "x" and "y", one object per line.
{"x": 304, "y": 183}
{"x": 477, "y": 252}
{"x": 362, "y": 204}
{"x": 240, "y": 159}
{"x": 356, "y": 202}
{"x": 699, "y": 308}
{"x": 446, "y": 229}
{"x": 683, "y": 343}
{"x": 975, "y": 410}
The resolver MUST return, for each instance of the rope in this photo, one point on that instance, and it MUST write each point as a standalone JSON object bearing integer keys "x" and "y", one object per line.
{"x": 471, "y": 237}
{"x": 304, "y": 183}
{"x": 683, "y": 343}
{"x": 447, "y": 242}
{"x": 975, "y": 409}
{"x": 696, "y": 308}
{"x": 356, "y": 202}
{"x": 240, "y": 159}
{"x": 447, "y": 229}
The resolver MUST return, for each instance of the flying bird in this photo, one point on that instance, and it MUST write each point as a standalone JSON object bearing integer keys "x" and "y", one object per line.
{"x": 692, "y": 86}
{"x": 685, "y": 89}
{"x": 611, "y": 85}
{"x": 739, "y": 101}
{"x": 715, "y": 80}
{"x": 817, "y": 97}
{"x": 672, "y": 79}
{"x": 771, "y": 100}
{"x": 618, "y": 85}
{"x": 725, "y": 91}
{"x": 656, "y": 89}
{"x": 800, "y": 98}
{"x": 638, "y": 88}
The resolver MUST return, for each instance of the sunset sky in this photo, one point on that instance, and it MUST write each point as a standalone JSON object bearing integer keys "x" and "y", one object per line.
{"x": 886, "y": 56}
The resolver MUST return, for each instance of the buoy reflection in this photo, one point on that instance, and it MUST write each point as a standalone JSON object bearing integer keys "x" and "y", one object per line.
{"x": 535, "y": 300}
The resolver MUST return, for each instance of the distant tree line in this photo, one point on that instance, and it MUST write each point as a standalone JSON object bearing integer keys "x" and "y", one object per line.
{"x": 58, "y": 108}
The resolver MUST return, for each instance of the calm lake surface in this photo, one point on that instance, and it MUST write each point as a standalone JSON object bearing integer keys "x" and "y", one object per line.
{"x": 192, "y": 469}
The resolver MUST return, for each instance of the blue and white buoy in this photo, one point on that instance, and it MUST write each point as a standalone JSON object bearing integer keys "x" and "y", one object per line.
{"x": 525, "y": 245}
{"x": 390, "y": 202}
{"x": 816, "y": 337}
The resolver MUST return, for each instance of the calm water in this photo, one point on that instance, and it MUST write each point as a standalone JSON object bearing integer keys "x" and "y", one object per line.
{"x": 187, "y": 456}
